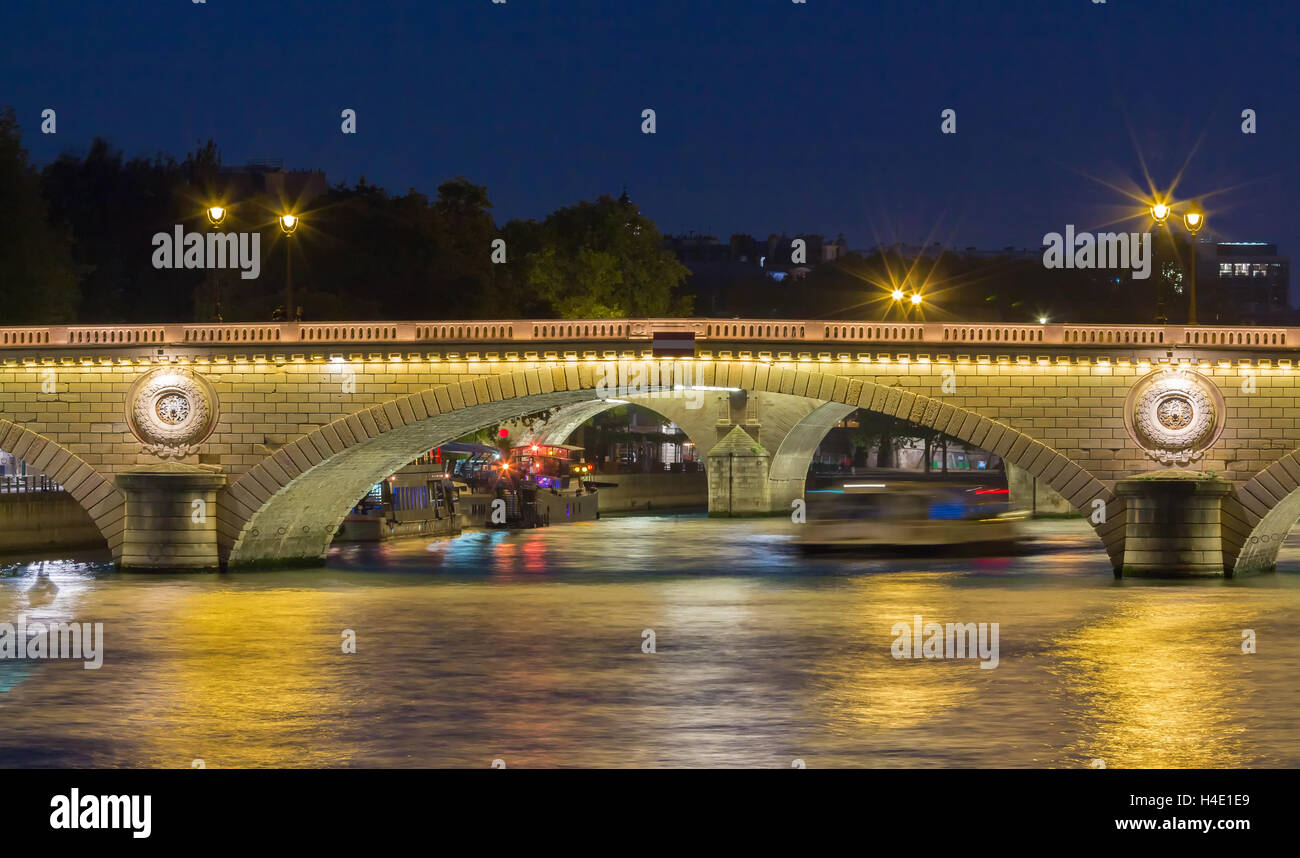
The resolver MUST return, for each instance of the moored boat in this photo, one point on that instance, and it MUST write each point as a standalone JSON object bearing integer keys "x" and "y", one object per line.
{"x": 422, "y": 499}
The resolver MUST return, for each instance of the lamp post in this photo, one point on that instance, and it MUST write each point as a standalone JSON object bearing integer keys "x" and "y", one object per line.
{"x": 216, "y": 215}
{"x": 1160, "y": 214}
{"x": 1193, "y": 220}
{"x": 288, "y": 224}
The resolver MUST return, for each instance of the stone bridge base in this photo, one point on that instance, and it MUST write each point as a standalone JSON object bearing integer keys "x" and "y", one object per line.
{"x": 1173, "y": 529}
{"x": 1173, "y": 519}
{"x": 171, "y": 518}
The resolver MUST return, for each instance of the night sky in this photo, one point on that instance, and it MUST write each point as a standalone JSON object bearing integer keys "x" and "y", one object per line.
{"x": 772, "y": 116}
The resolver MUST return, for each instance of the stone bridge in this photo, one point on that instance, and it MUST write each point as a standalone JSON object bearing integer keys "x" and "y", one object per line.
{"x": 198, "y": 446}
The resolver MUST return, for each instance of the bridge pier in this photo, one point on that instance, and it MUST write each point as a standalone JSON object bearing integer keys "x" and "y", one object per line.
{"x": 738, "y": 476}
{"x": 757, "y": 446}
{"x": 171, "y": 518}
{"x": 1174, "y": 524}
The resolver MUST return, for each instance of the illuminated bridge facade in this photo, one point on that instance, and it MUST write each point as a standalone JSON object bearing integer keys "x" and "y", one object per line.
{"x": 193, "y": 446}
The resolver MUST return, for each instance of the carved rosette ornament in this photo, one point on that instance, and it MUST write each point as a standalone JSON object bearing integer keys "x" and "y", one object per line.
{"x": 1174, "y": 415}
{"x": 172, "y": 411}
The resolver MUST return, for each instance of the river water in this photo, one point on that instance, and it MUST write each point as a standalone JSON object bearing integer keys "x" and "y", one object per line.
{"x": 527, "y": 647}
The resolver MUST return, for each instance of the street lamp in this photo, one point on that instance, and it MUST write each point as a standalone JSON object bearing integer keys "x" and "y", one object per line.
{"x": 216, "y": 215}
{"x": 916, "y": 298}
{"x": 1193, "y": 221}
{"x": 896, "y": 297}
{"x": 288, "y": 225}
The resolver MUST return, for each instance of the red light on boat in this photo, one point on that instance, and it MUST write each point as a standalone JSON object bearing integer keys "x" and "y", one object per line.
{"x": 992, "y": 491}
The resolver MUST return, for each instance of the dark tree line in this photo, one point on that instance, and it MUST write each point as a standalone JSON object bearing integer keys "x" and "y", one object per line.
{"x": 76, "y": 245}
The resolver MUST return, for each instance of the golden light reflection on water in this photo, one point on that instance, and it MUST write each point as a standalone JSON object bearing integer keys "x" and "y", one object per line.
{"x": 1156, "y": 681}
{"x": 868, "y": 689}
{"x": 528, "y": 646}
{"x": 244, "y": 678}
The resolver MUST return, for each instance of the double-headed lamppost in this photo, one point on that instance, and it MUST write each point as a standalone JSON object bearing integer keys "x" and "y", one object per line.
{"x": 1193, "y": 220}
{"x": 288, "y": 224}
{"x": 898, "y": 296}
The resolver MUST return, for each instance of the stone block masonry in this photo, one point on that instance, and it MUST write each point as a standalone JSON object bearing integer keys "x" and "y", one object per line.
{"x": 294, "y": 431}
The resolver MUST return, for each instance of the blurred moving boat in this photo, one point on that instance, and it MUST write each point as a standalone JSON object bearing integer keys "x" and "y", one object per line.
{"x": 927, "y": 517}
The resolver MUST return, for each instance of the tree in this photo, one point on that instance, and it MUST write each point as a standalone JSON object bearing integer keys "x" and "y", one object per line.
{"x": 38, "y": 277}
{"x": 112, "y": 209}
{"x": 464, "y": 230}
{"x": 361, "y": 252}
{"x": 605, "y": 260}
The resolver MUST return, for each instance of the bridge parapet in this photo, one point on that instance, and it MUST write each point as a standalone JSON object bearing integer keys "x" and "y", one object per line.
{"x": 1056, "y": 401}
{"x": 633, "y": 330}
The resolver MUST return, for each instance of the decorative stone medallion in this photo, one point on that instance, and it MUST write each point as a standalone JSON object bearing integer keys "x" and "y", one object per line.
{"x": 1174, "y": 415}
{"x": 172, "y": 411}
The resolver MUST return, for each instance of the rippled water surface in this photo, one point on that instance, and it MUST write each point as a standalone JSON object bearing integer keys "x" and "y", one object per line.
{"x": 527, "y": 647}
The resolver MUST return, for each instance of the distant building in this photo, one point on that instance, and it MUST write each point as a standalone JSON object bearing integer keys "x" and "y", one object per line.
{"x": 936, "y": 249}
{"x": 1007, "y": 252}
{"x": 779, "y": 254}
{"x": 692, "y": 248}
{"x": 268, "y": 178}
{"x": 1252, "y": 280}
{"x": 11, "y": 466}
{"x": 775, "y": 255}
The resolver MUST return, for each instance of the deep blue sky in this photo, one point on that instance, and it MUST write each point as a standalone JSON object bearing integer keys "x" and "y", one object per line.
{"x": 772, "y": 116}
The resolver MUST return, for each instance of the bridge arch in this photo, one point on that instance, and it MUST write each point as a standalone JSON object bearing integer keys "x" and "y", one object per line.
{"x": 696, "y": 422}
{"x": 96, "y": 494}
{"x": 287, "y": 508}
{"x": 1259, "y": 514}
{"x": 793, "y": 457}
